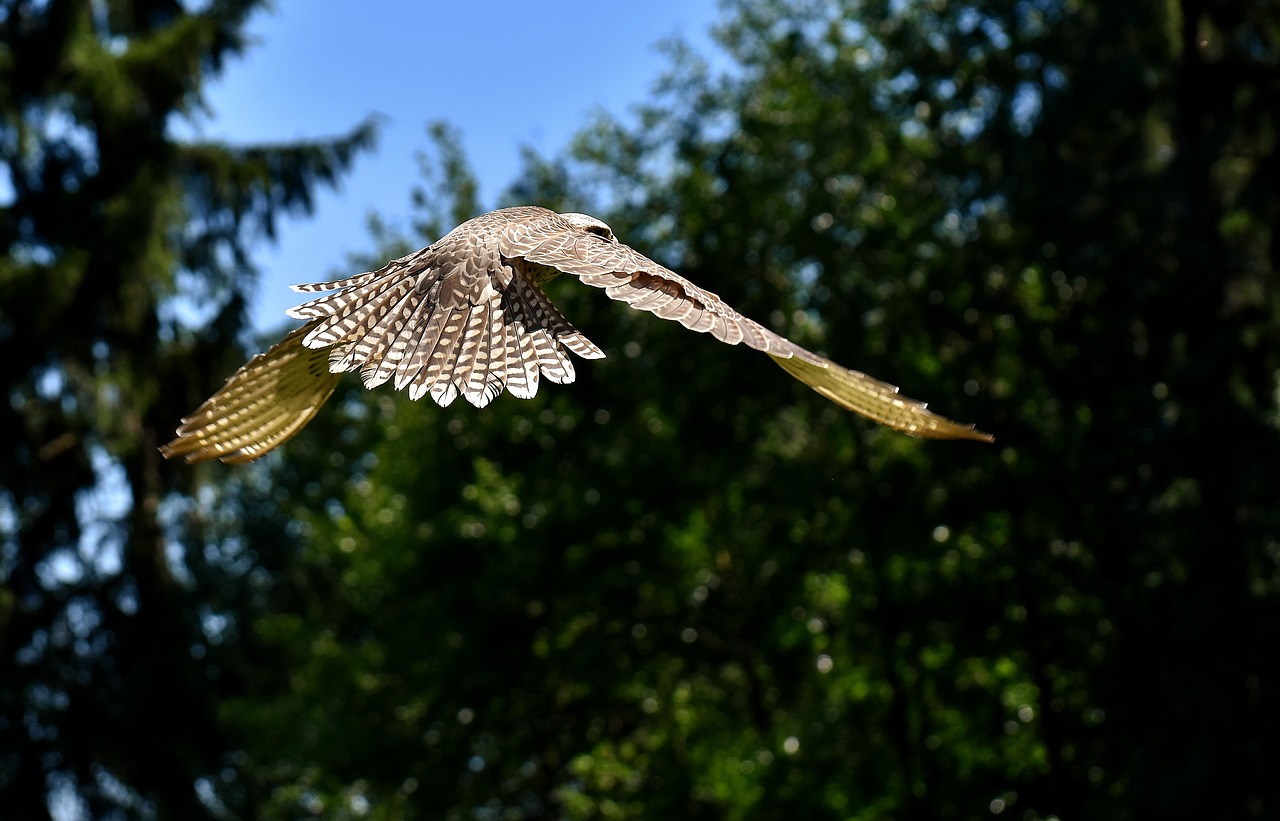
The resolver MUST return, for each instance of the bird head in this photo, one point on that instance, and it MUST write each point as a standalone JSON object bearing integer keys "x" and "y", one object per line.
{"x": 591, "y": 225}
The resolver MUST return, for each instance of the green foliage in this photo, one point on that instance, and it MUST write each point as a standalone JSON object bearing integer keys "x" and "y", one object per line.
{"x": 685, "y": 586}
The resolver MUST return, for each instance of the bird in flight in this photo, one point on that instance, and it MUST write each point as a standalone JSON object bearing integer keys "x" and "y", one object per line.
{"x": 466, "y": 316}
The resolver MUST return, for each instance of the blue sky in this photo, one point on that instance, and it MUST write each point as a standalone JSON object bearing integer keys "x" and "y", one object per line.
{"x": 506, "y": 73}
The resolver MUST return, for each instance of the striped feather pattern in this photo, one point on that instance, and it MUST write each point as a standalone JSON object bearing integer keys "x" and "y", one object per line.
{"x": 466, "y": 317}
{"x": 455, "y": 319}
{"x": 583, "y": 246}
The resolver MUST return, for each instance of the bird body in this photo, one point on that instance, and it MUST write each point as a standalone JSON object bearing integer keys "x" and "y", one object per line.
{"x": 466, "y": 316}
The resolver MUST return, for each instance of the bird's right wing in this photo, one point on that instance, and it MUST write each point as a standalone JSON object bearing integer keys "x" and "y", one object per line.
{"x": 628, "y": 276}
{"x": 262, "y": 405}
{"x": 875, "y": 400}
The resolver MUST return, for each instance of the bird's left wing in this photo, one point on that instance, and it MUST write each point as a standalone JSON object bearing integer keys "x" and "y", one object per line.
{"x": 261, "y": 405}
{"x": 628, "y": 276}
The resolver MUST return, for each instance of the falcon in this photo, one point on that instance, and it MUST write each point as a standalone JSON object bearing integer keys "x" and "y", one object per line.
{"x": 466, "y": 316}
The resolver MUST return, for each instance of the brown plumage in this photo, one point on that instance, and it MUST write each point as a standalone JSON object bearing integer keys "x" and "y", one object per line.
{"x": 466, "y": 316}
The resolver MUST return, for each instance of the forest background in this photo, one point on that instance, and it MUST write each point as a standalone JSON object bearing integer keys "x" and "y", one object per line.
{"x": 683, "y": 586}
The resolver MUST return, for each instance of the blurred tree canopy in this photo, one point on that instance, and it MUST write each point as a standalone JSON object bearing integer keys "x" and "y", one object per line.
{"x": 685, "y": 586}
{"x": 124, "y": 270}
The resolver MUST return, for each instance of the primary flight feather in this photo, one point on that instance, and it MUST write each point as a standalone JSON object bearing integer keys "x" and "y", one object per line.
{"x": 466, "y": 316}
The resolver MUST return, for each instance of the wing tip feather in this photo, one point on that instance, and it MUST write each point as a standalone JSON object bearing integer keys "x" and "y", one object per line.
{"x": 876, "y": 400}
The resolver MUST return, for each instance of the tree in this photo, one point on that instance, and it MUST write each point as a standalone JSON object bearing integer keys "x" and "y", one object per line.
{"x": 684, "y": 588}
{"x": 123, "y": 281}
